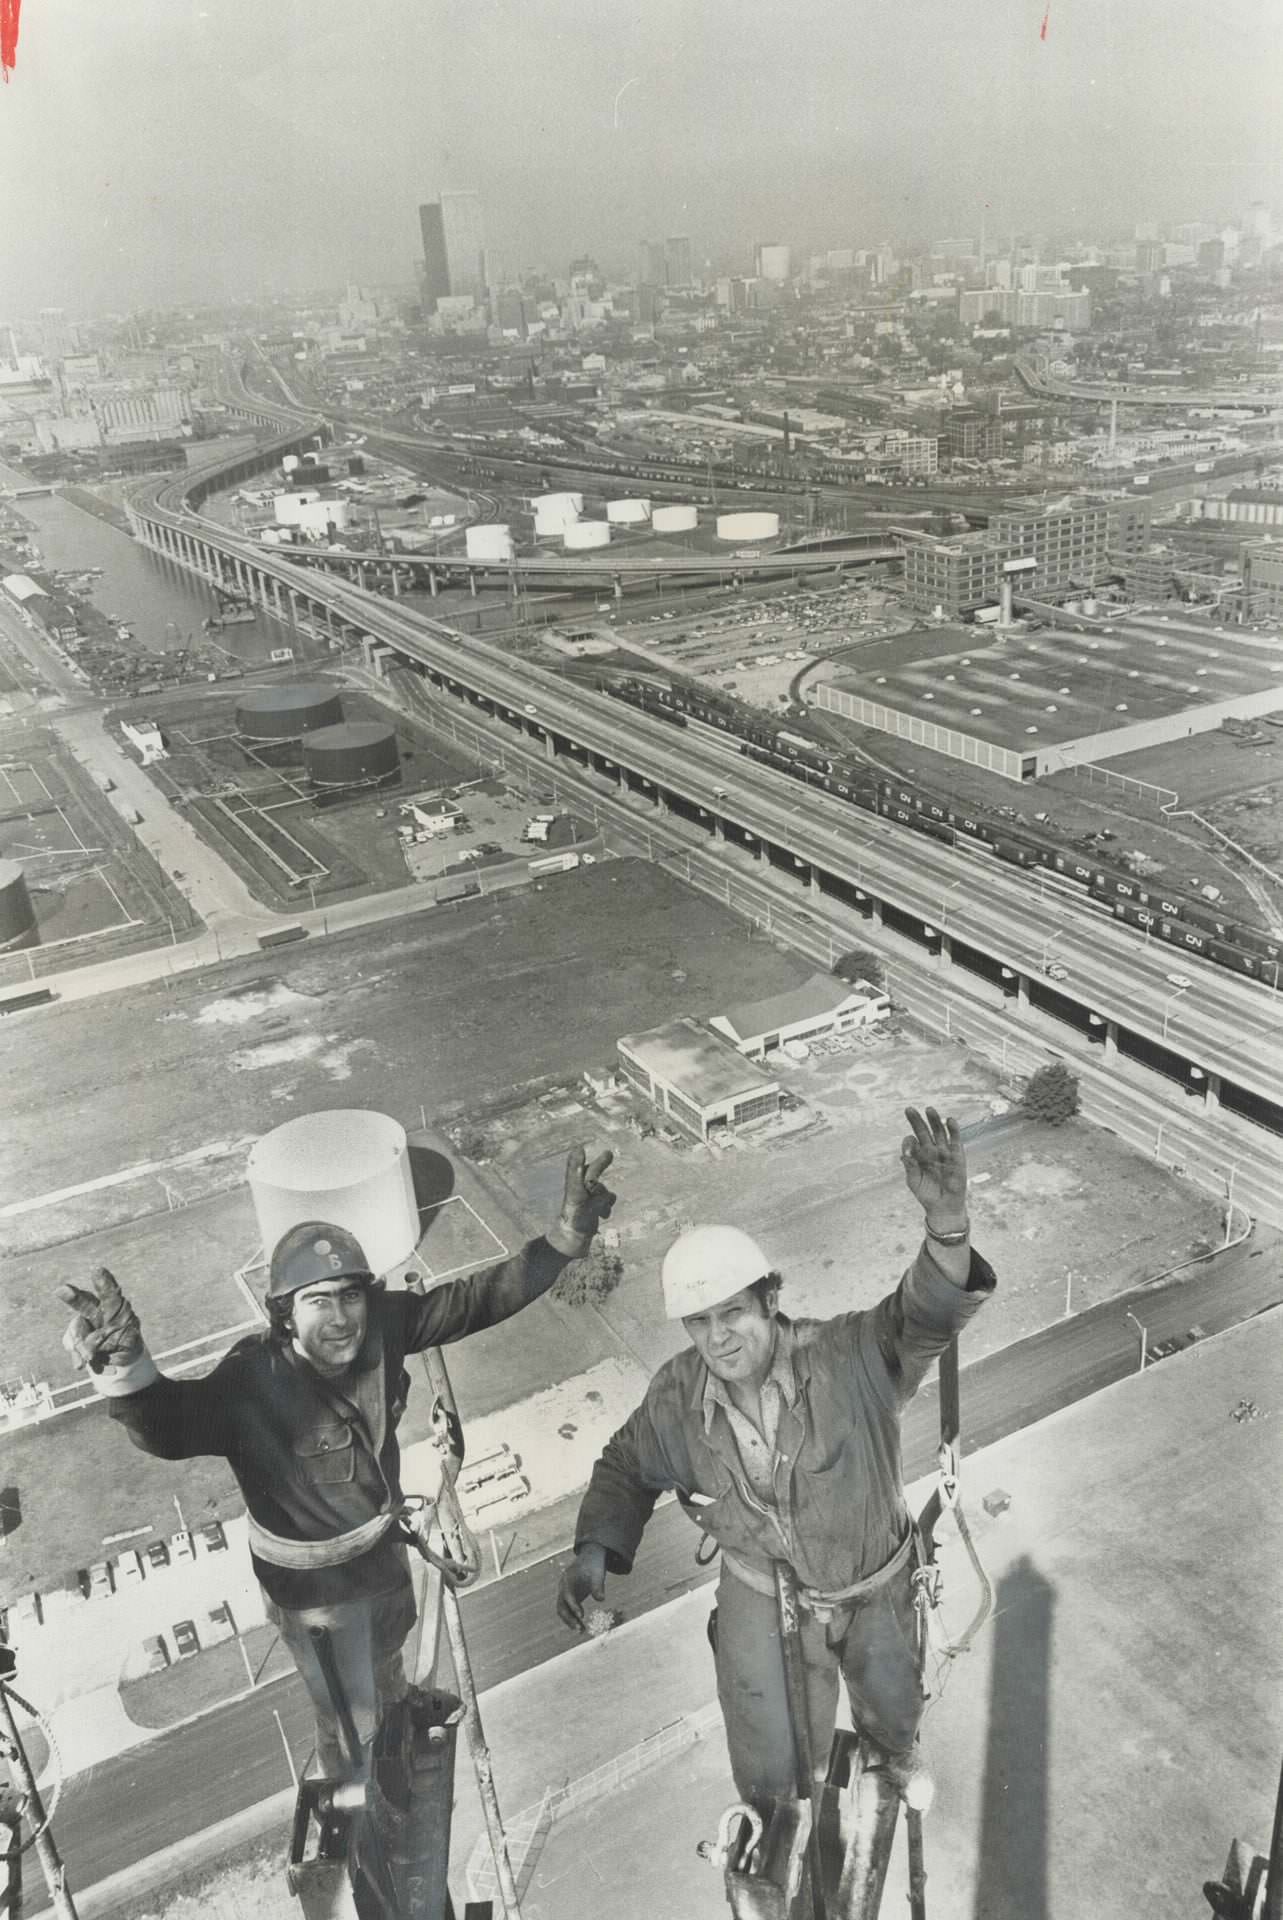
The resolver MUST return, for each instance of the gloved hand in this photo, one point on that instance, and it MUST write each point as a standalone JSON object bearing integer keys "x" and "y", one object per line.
{"x": 586, "y": 1202}
{"x": 584, "y": 1578}
{"x": 104, "y": 1330}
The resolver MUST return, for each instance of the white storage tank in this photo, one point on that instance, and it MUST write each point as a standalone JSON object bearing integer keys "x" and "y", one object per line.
{"x": 318, "y": 516}
{"x": 675, "y": 519}
{"x": 552, "y": 519}
{"x": 490, "y": 542}
{"x": 289, "y": 463}
{"x": 573, "y": 501}
{"x": 628, "y": 513}
{"x": 349, "y": 1168}
{"x": 748, "y": 526}
{"x": 585, "y": 534}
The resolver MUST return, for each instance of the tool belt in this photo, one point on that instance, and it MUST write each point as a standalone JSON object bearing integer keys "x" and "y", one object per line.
{"x": 300, "y": 1555}
{"x": 824, "y": 1605}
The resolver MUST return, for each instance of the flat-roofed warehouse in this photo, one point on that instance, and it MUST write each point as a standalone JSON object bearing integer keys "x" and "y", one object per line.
{"x": 1022, "y": 704}
{"x": 697, "y": 1078}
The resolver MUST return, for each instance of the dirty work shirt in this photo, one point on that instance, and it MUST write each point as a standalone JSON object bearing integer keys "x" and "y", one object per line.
{"x": 316, "y": 1458}
{"x": 836, "y": 1495}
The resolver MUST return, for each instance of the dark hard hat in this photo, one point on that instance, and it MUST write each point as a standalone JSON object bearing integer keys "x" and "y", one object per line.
{"x": 313, "y": 1252}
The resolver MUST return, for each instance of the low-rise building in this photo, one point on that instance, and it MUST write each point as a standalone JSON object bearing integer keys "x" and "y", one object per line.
{"x": 697, "y": 1078}
{"x": 821, "y": 1006}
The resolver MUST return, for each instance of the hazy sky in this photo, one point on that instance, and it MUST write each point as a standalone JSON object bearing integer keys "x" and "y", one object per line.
{"x": 171, "y": 150}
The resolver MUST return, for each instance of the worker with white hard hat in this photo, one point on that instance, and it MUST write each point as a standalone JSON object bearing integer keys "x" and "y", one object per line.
{"x": 306, "y": 1414}
{"x": 781, "y": 1439}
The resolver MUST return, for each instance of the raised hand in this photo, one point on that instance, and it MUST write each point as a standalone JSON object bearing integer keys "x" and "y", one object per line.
{"x": 935, "y": 1167}
{"x": 104, "y": 1329}
{"x": 586, "y": 1202}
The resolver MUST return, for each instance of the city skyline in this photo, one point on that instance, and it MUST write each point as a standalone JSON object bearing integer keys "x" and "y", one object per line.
{"x": 306, "y": 155}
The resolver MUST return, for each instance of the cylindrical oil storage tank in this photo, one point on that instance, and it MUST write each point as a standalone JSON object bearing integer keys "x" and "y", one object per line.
{"x": 347, "y": 1168}
{"x": 289, "y": 463}
{"x": 492, "y": 542}
{"x": 748, "y": 526}
{"x": 628, "y": 513}
{"x": 353, "y": 754}
{"x": 288, "y": 508}
{"x": 675, "y": 519}
{"x": 573, "y": 502}
{"x": 585, "y": 534}
{"x": 288, "y": 712}
{"x": 17, "y": 915}
{"x": 551, "y": 521}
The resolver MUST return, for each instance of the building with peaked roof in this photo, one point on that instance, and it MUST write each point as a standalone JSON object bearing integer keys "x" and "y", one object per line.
{"x": 697, "y": 1078}
{"x": 820, "y": 1006}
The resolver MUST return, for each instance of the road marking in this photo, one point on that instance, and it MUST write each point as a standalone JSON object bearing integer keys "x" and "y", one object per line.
{"x": 219, "y": 1150}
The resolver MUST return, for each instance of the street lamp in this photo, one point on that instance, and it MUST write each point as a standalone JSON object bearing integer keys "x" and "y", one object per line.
{"x": 1144, "y": 1339}
{"x": 1168, "y": 1004}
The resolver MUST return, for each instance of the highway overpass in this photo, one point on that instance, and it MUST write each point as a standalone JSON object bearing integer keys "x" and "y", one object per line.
{"x": 1224, "y": 1036}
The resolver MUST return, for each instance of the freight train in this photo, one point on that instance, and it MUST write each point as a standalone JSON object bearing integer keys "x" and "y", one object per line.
{"x": 1182, "y": 920}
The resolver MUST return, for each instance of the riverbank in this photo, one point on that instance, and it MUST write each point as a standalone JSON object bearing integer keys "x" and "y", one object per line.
{"x": 88, "y": 502}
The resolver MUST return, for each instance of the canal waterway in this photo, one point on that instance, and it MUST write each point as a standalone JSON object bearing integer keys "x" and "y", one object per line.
{"x": 163, "y": 605}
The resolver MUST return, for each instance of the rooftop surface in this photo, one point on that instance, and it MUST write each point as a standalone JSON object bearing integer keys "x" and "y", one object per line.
{"x": 699, "y": 1064}
{"x": 1114, "y": 1727}
{"x": 1062, "y": 684}
{"x": 819, "y": 995}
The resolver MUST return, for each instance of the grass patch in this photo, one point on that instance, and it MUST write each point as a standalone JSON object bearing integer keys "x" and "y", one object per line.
{"x": 204, "y": 1680}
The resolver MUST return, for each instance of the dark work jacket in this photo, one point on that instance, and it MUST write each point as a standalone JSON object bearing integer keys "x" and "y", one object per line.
{"x": 315, "y": 1458}
{"x": 838, "y": 1489}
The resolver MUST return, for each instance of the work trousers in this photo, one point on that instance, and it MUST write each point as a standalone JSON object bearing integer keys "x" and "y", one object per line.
{"x": 872, "y": 1645}
{"x": 367, "y": 1637}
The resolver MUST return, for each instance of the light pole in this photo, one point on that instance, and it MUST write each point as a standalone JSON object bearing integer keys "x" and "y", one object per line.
{"x": 1047, "y": 946}
{"x": 1144, "y": 1339}
{"x": 1168, "y": 1004}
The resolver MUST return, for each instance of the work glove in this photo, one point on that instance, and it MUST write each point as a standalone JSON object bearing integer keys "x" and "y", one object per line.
{"x": 586, "y": 1203}
{"x": 104, "y": 1331}
{"x": 582, "y": 1579}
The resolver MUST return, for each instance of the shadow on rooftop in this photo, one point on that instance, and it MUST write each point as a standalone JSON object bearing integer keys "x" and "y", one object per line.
{"x": 1011, "y": 1883}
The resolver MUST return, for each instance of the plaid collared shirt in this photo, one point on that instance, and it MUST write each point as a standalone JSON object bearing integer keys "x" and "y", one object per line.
{"x": 757, "y": 1450}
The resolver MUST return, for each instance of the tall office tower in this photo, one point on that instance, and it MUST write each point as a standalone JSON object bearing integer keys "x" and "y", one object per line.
{"x": 436, "y": 270}
{"x": 677, "y": 261}
{"x": 454, "y": 247}
{"x": 465, "y": 243}
{"x": 650, "y": 264}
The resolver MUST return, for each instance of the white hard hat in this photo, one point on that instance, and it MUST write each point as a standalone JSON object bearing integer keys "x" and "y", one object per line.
{"x": 706, "y": 1265}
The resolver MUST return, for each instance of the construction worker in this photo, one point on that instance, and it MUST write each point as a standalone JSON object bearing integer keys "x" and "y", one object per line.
{"x": 306, "y": 1416}
{"x": 782, "y": 1441}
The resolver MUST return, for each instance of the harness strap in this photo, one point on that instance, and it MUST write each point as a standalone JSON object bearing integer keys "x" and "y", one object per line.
{"x": 811, "y": 1598}
{"x": 300, "y": 1555}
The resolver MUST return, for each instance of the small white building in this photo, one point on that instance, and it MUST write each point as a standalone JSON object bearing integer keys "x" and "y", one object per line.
{"x": 428, "y": 814}
{"x": 146, "y": 736}
{"x": 696, "y": 1078}
{"x": 821, "y": 1006}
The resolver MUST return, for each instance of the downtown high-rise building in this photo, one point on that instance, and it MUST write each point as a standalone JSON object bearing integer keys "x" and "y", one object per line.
{"x": 454, "y": 248}
{"x": 677, "y": 261}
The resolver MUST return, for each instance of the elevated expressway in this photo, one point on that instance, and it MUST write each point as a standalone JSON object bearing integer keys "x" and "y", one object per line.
{"x": 1251, "y": 399}
{"x": 971, "y": 910}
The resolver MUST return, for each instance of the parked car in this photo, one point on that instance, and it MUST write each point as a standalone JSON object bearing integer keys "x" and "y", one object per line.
{"x": 26, "y": 1611}
{"x": 186, "y": 1638}
{"x": 100, "y": 1581}
{"x": 129, "y": 1568}
{"x": 220, "y": 1624}
{"x": 181, "y": 1547}
{"x": 157, "y": 1653}
{"x": 158, "y": 1554}
{"x": 214, "y": 1538}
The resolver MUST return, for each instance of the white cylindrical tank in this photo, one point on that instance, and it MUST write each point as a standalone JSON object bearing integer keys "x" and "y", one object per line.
{"x": 628, "y": 513}
{"x": 586, "y": 533}
{"x": 574, "y": 501}
{"x": 347, "y": 1167}
{"x": 317, "y": 516}
{"x": 675, "y": 519}
{"x": 551, "y": 522}
{"x": 748, "y": 526}
{"x": 491, "y": 542}
{"x": 289, "y": 463}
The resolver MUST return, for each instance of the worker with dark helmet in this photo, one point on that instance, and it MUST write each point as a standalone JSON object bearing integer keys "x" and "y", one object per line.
{"x": 781, "y": 1439}
{"x": 306, "y": 1416}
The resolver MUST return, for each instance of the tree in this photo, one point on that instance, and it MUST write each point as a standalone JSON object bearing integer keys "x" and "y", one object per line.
{"x": 860, "y": 964}
{"x": 585, "y": 1282}
{"x": 1051, "y": 1094}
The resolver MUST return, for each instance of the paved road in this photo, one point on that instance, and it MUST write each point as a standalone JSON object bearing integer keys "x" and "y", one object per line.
{"x": 193, "y": 1776}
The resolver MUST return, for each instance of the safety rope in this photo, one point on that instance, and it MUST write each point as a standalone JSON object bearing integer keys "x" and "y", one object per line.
{"x": 54, "y": 1755}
